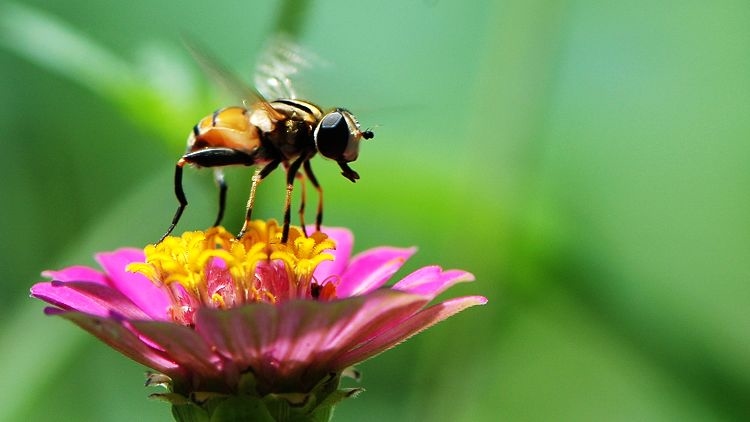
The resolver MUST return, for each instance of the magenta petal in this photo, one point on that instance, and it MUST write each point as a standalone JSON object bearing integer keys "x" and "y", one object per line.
{"x": 381, "y": 312}
{"x": 87, "y": 297}
{"x": 183, "y": 345}
{"x": 68, "y": 299}
{"x": 113, "y": 333}
{"x": 310, "y": 330}
{"x": 371, "y": 269}
{"x": 253, "y": 338}
{"x": 344, "y": 242}
{"x": 136, "y": 287}
{"x": 299, "y": 340}
{"x": 417, "y": 323}
{"x": 241, "y": 334}
{"x": 77, "y": 273}
{"x": 431, "y": 281}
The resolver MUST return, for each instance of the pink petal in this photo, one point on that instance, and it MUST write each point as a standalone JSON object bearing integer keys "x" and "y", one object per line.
{"x": 310, "y": 331}
{"x": 371, "y": 269}
{"x": 136, "y": 287}
{"x": 68, "y": 299}
{"x": 242, "y": 333}
{"x": 299, "y": 340}
{"x": 344, "y": 242}
{"x": 431, "y": 281}
{"x": 381, "y": 312}
{"x": 112, "y": 332}
{"x": 96, "y": 299}
{"x": 77, "y": 273}
{"x": 183, "y": 345}
{"x": 417, "y": 323}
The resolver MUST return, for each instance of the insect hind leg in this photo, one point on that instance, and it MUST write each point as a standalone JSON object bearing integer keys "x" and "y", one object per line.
{"x": 209, "y": 157}
{"x": 180, "y": 194}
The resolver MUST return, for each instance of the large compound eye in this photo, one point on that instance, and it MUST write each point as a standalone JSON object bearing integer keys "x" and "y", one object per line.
{"x": 332, "y": 135}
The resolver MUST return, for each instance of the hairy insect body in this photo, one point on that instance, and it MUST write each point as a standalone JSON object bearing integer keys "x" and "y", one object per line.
{"x": 266, "y": 134}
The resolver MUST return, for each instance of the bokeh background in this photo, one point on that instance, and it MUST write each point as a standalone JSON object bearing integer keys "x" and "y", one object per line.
{"x": 586, "y": 160}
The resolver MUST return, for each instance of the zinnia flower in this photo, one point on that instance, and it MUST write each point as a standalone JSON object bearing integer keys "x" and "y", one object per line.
{"x": 241, "y": 327}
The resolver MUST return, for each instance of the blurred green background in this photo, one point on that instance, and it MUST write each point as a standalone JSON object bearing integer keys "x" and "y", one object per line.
{"x": 586, "y": 160}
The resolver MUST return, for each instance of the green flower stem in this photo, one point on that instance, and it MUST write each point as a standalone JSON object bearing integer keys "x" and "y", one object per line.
{"x": 292, "y": 17}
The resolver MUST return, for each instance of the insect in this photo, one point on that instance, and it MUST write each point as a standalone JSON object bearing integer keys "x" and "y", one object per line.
{"x": 265, "y": 134}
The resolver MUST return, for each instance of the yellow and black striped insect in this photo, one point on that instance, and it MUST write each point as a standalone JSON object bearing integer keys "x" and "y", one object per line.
{"x": 262, "y": 133}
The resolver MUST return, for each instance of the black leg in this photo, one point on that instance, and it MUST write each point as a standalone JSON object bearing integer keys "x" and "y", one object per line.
{"x": 180, "y": 194}
{"x": 219, "y": 178}
{"x": 348, "y": 172}
{"x": 314, "y": 181}
{"x": 291, "y": 173}
{"x": 209, "y": 157}
{"x": 259, "y": 175}
{"x": 218, "y": 157}
{"x": 303, "y": 200}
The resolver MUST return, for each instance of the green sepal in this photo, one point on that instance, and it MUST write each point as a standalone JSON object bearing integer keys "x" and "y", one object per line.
{"x": 241, "y": 408}
{"x": 353, "y": 373}
{"x": 247, "y": 384}
{"x": 324, "y": 411}
{"x": 317, "y": 405}
{"x": 155, "y": 379}
{"x": 173, "y": 398}
{"x": 189, "y": 412}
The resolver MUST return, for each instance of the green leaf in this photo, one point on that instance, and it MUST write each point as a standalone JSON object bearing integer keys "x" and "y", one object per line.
{"x": 158, "y": 93}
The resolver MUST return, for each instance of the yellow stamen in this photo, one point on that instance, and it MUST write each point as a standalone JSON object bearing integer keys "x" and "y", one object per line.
{"x": 218, "y": 300}
{"x": 196, "y": 259}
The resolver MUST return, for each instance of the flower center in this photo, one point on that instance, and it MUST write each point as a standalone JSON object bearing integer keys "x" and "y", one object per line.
{"x": 212, "y": 268}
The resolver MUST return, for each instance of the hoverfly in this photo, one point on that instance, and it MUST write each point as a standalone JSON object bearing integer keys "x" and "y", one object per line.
{"x": 262, "y": 133}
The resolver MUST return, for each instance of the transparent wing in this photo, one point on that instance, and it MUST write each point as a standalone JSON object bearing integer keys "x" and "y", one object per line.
{"x": 228, "y": 80}
{"x": 278, "y": 63}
